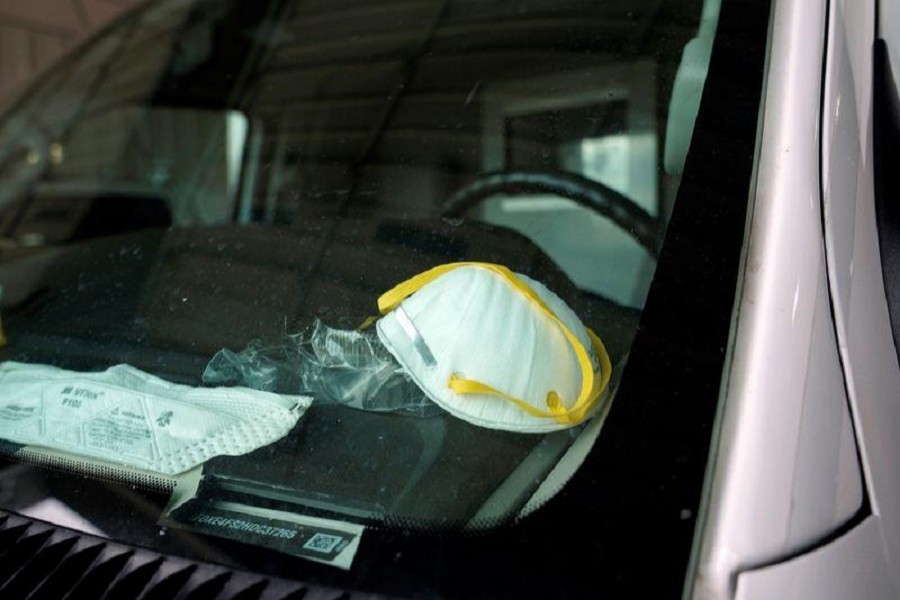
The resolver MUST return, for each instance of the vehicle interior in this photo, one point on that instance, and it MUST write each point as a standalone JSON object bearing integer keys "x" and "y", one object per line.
{"x": 177, "y": 212}
{"x": 205, "y": 175}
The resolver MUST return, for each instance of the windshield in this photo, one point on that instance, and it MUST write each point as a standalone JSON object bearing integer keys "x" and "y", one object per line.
{"x": 217, "y": 193}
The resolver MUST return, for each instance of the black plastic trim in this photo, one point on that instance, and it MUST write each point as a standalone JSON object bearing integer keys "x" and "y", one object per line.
{"x": 886, "y": 152}
{"x": 50, "y": 562}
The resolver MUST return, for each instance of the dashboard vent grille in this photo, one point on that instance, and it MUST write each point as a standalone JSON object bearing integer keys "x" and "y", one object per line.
{"x": 41, "y": 561}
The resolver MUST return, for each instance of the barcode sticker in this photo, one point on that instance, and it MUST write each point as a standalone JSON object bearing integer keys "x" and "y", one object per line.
{"x": 323, "y": 542}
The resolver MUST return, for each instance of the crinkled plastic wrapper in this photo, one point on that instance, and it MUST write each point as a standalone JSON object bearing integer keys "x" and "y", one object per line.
{"x": 335, "y": 366}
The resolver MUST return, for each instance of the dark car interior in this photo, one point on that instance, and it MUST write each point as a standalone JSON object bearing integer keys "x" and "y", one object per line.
{"x": 323, "y": 153}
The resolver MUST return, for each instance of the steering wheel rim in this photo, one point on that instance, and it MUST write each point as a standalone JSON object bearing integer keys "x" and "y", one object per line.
{"x": 615, "y": 206}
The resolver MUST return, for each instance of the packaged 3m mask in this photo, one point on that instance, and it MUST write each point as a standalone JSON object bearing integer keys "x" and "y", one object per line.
{"x": 495, "y": 348}
{"x": 127, "y": 417}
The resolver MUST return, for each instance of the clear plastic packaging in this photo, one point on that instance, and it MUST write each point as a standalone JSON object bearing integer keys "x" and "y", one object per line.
{"x": 335, "y": 366}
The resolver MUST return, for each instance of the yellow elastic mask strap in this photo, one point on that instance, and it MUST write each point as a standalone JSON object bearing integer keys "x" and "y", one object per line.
{"x": 470, "y": 386}
{"x": 591, "y": 386}
{"x": 367, "y": 323}
{"x": 556, "y": 409}
{"x": 602, "y": 381}
{"x": 392, "y": 298}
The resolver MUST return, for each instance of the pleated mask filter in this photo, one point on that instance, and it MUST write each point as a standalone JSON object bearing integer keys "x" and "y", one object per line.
{"x": 495, "y": 348}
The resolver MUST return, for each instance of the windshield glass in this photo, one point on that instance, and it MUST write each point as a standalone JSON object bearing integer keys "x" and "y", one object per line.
{"x": 217, "y": 193}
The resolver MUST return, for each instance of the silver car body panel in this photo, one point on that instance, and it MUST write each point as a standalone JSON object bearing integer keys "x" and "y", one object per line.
{"x": 786, "y": 503}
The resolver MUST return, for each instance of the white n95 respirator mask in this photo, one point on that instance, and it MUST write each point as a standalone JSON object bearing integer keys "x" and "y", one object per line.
{"x": 494, "y": 348}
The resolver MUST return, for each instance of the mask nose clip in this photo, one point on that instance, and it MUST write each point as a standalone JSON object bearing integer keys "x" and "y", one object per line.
{"x": 409, "y": 328}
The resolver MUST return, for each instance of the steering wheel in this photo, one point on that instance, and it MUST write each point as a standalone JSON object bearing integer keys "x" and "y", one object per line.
{"x": 618, "y": 208}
